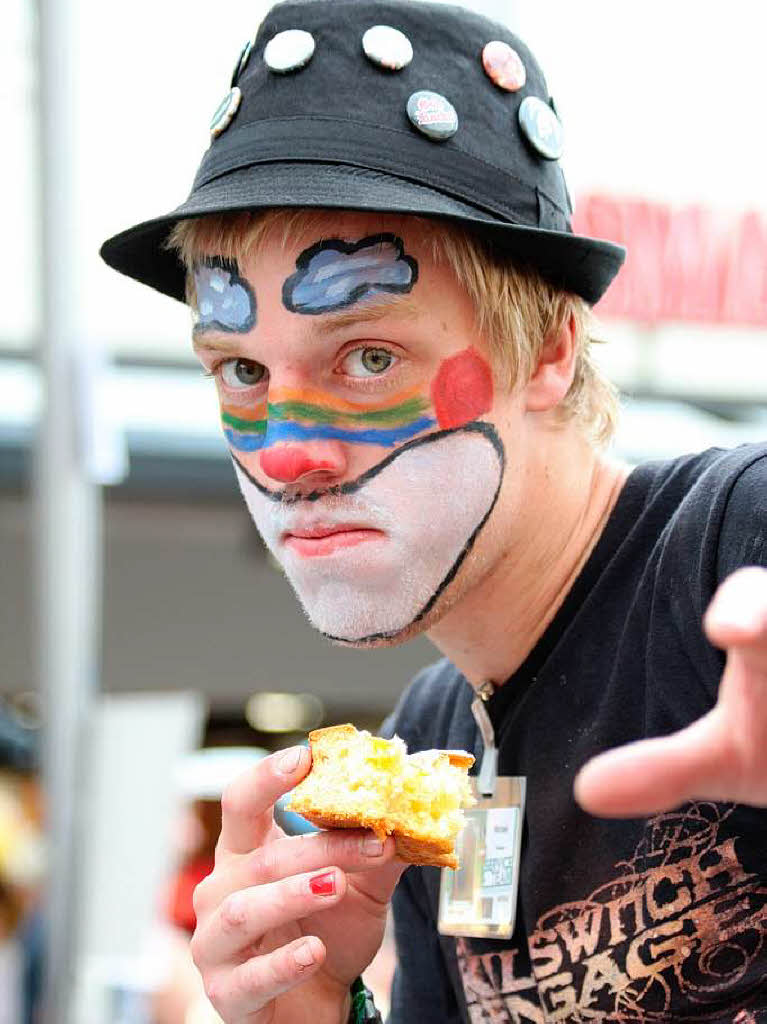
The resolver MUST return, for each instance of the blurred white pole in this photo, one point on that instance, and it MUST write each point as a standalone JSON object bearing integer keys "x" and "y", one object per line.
{"x": 68, "y": 506}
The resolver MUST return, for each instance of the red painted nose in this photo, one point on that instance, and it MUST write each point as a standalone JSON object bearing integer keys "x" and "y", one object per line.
{"x": 290, "y": 462}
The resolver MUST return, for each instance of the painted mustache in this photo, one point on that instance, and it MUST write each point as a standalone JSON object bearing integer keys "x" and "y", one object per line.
{"x": 289, "y": 495}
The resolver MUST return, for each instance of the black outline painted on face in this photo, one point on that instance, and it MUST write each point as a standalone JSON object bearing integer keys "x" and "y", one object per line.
{"x": 235, "y": 279}
{"x": 359, "y": 291}
{"x": 478, "y": 427}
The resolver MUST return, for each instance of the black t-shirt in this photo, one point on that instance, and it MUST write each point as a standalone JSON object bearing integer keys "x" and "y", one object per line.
{"x": 618, "y": 920}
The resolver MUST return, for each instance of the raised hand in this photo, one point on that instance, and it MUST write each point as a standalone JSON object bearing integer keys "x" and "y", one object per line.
{"x": 285, "y": 924}
{"x": 722, "y": 756}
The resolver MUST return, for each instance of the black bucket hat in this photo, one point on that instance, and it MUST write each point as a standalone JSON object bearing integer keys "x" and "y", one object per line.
{"x": 320, "y": 115}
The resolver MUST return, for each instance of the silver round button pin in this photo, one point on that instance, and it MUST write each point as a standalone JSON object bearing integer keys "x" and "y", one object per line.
{"x": 289, "y": 50}
{"x": 541, "y": 127}
{"x": 225, "y": 112}
{"x": 387, "y": 47}
{"x": 432, "y": 114}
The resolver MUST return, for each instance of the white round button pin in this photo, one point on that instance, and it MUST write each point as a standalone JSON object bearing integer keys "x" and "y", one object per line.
{"x": 387, "y": 47}
{"x": 289, "y": 50}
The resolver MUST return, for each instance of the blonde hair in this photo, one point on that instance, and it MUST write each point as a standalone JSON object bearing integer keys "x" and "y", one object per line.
{"x": 516, "y": 309}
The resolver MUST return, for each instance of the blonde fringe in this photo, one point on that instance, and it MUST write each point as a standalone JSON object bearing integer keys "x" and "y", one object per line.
{"x": 516, "y": 309}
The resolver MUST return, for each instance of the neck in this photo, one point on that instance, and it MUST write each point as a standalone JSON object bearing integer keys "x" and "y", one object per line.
{"x": 545, "y": 537}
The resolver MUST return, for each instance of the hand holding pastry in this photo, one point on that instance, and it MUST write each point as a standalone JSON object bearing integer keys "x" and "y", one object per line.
{"x": 286, "y": 924}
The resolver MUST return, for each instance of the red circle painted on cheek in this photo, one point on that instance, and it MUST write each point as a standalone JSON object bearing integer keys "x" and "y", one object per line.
{"x": 462, "y": 389}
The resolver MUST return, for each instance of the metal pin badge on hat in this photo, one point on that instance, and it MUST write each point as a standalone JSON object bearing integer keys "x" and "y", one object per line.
{"x": 568, "y": 193}
{"x": 503, "y": 65}
{"x": 387, "y": 47}
{"x": 242, "y": 62}
{"x": 541, "y": 127}
{"x": 289, "y": 50}
{"x": 225, "y": 112}
{"x": 432, "y": 114}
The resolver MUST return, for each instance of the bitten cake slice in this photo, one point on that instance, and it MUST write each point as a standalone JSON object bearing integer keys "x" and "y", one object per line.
{"x": 361, "y": 781}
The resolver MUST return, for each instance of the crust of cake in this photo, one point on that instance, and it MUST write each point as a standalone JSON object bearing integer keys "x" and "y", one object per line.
{"x": 410, "y": 847}
{"x": 323, "y": 817}
{"x": 332, "y": 732}
{"x": 436, "y": 853}
{"x": 460, "y": 758}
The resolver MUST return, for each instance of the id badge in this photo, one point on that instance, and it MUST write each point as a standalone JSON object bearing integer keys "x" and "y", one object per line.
{"x": 479, "y": 898}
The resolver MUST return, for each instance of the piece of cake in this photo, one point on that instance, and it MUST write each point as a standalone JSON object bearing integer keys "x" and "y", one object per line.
{"x": 362, "y": 781}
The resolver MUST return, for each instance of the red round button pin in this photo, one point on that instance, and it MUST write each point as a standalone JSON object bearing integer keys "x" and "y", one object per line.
{"x": 503, "y": 65}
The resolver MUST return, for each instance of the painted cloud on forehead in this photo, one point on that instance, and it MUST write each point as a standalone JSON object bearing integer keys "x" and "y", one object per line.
{"x": 225, "y": 301}
{"x": 333, "y": 274}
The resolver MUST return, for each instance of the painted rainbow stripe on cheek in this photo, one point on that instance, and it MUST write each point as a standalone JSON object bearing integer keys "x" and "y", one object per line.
{"x": 245, "y": 428}
{"x": 305, "y": 415}
{"x": 461, "y": 391}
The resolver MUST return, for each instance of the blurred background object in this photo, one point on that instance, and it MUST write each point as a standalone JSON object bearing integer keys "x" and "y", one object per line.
{"x": 201, "y": 778}
{"x": 158, "y": 622}
{"x": 22, "y": 868}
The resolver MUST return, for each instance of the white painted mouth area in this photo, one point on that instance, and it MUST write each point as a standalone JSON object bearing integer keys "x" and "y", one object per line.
{"x": 427, "y": 502}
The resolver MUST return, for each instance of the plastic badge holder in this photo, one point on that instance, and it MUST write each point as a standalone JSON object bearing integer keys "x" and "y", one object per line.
{"x": 479, "y": 899}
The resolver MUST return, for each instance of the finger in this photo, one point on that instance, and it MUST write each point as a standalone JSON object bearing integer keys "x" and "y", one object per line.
{"x": 249, "y": 987}
{"x": 737, "y": 615}
{"x": 657, "y": 774}
{"x": 349, "y": 850}
{"x": 247, "y": 915}
{"x": 247, "y": 804}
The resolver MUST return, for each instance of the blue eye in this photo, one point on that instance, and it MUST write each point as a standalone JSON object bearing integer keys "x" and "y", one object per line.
{"x": 242, "y": 373}
{"x": 368, "y": 362}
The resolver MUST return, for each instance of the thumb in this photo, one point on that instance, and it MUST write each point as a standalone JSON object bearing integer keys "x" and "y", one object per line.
{"x": 654, "y": 775}
{"x": 737, "y": 615}
{"x": 379, "y": 883}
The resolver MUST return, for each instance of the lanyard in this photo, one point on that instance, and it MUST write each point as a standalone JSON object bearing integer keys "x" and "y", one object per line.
{"x": 488, "y": 769}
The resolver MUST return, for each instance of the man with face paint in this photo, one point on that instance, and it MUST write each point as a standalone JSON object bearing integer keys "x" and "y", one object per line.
{"x": 388, "y": 294}
{"x": 368, "y": 553}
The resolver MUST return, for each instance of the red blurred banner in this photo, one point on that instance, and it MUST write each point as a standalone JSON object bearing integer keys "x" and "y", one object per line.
{"x": 685, "y": 263}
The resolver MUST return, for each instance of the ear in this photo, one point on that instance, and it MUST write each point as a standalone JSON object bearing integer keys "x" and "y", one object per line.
{"x": 554, "y": 373}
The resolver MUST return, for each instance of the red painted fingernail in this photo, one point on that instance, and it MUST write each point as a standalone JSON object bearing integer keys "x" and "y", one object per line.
{"x": 323, "y": 885}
